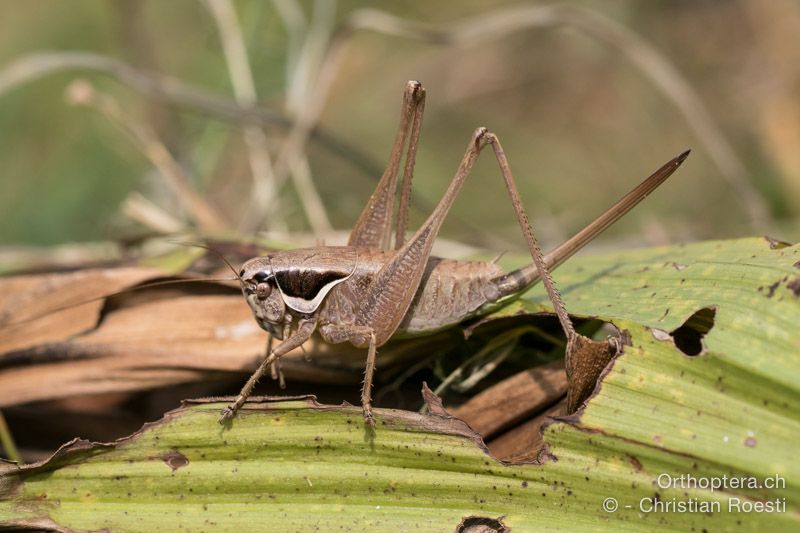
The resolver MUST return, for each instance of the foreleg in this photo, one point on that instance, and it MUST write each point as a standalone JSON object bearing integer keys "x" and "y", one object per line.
{"x": 303, "y": 333}
{"x": 366, "y": 389}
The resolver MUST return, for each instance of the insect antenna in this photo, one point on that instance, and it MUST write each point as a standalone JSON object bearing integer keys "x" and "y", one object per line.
{"x": 111, "y": 295}
{"x": 204, "y": 246}
{"x": 138, "y": 287}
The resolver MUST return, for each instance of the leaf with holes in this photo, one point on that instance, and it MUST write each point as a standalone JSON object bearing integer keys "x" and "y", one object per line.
{"x": 711, "y": 370}
{"x": 705, "y": 391}
{"x": 302, "y": 466}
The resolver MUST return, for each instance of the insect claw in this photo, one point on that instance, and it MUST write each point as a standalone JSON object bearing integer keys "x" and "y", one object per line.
{"x": 368, "y": 418}
{"x": 227, "y": 414}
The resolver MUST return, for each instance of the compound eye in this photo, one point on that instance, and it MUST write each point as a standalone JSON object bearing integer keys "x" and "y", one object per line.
{"x": 263, "y": 290}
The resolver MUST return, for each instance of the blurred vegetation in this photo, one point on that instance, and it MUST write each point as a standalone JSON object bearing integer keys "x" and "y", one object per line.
{"x": 579, "y": 121}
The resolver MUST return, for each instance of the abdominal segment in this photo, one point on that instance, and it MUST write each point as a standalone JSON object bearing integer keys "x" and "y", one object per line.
{"x": 450, "y": 292}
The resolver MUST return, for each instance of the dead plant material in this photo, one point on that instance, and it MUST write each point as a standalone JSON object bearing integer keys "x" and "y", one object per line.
{"x": 523, "y": 443}
{"x": 134, "y": 341}
{"x": 514, "y": 399}
{"x": 29, "y": 310}
{"x": 586, "y": 360}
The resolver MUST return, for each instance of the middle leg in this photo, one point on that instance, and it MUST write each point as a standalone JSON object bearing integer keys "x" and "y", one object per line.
{"x": 360, "y": 337}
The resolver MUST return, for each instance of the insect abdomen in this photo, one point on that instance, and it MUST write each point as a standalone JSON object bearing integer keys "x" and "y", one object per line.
{"x": 450, "y": 292}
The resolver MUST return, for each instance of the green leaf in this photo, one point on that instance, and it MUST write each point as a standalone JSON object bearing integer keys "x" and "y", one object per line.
{"x": 305, "y": 466}
{"x": 732, "y": 411}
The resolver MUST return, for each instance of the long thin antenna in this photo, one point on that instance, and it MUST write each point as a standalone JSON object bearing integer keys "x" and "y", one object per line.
{"x": 140, "y": 287}
{"x": 204, "y": 246}
{"x": 112, "y": 294}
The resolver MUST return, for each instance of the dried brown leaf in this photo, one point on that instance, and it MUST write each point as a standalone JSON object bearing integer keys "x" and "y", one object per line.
{"x": 514, "y": 399}
{"x": 523, "y": 443}
{"x": 141, "y": 341}
{"x": 586, "y": 360}
{"x": 27, "y": 318}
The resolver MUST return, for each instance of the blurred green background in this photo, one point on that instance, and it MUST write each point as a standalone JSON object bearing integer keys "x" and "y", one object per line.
{"x": 580, "y": 121}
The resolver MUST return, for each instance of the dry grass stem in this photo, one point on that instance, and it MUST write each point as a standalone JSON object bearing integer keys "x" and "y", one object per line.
{"x": 29, "y": 68}
{"x": 305, "y": 99}
{"x": 137, "y": 207}
{"x": 645, "y": 57}
{"x": 7, "y": 441}
{"x": 310, "y": 199}
{"x": 497, "y": 346}
{"x": 81, "y": 92}
{"x": 294, "y": 20}
{"x": 263, "y": 200}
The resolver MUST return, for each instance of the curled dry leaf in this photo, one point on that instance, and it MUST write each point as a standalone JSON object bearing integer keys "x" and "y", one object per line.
{"x": 586, "y": 360}
{"x": 27, "y": 316}
{"x": 134, "y": 341}
{"x": 51, "y": 348}
{"x": 523, "y": 443}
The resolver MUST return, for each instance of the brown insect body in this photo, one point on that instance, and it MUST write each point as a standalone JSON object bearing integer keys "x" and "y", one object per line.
{"x": 333, "y": 282}
{"x": 366, "y": 292}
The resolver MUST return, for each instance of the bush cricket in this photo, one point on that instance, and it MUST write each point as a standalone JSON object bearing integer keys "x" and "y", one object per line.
{"x": 372, "y": 289}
